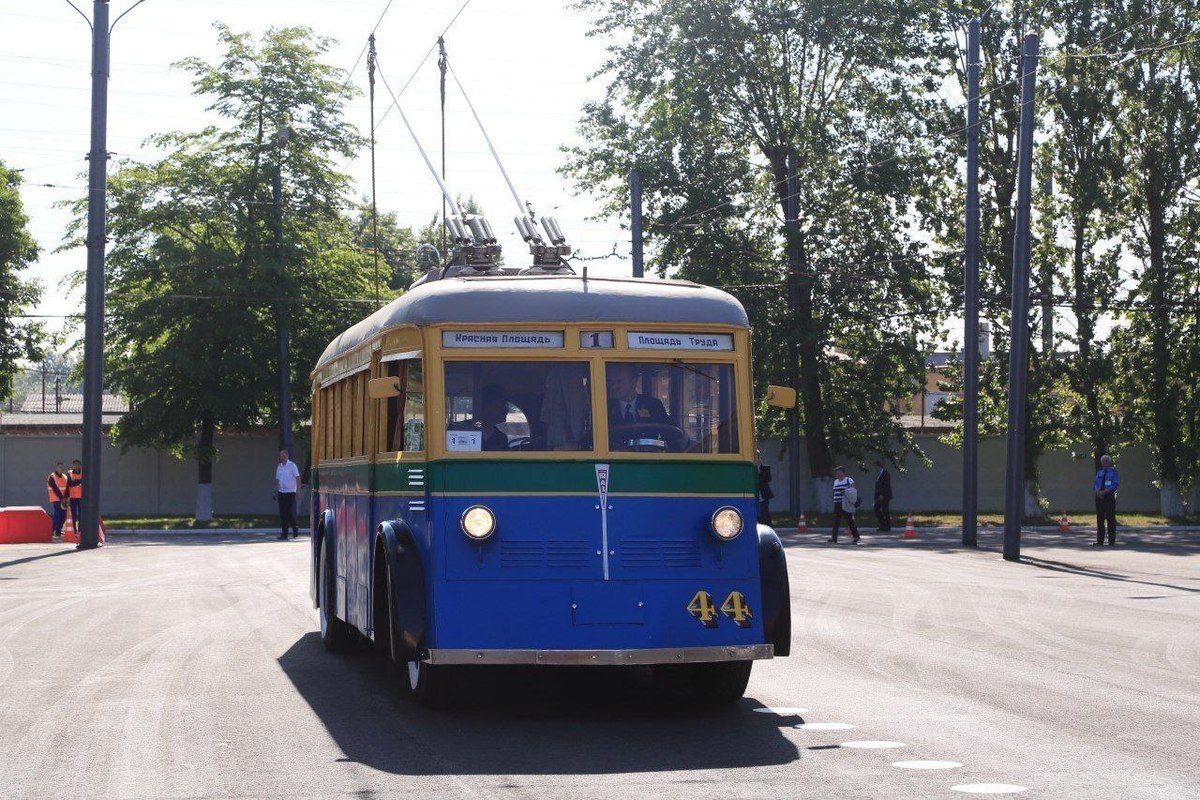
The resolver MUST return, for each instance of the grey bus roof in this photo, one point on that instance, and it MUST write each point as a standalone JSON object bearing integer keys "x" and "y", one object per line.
{"x": 555, "y": 298}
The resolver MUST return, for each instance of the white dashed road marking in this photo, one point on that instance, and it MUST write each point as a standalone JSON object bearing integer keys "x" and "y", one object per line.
{"x": 865, "y": 744}
{"x": 926, "y": 764}
{"x": 783, "y": 711}
{"x": 989, "y": 788}
{"x": 825, "y": 726}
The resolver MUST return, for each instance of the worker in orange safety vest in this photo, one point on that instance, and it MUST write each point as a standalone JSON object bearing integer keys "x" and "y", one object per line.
{"x": 75, "y": 488}
{"x": 57, "y": 487}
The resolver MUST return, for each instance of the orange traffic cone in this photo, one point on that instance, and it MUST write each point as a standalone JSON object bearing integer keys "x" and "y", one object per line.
{"x": 802, "y": 526}
{"x": 1064, "y": 524}
{"x": 909, "y": 531}
{"x": 68, "y": 530}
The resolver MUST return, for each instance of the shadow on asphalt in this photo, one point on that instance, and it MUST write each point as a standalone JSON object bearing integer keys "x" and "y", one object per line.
{"x": 1171, "y": 543}
{"x": 526, "y": 721}
{"x": 27, "y": 559}
{"x": 194, "y": 539}
{"x": 1091, "y": 572}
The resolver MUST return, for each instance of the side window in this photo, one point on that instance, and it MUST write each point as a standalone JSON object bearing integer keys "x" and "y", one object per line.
{"x": 405, "y": 427}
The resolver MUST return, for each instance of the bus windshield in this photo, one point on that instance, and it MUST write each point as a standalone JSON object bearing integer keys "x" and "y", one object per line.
{"x": 671, "y": 407}
{"x": 518, "y": 405}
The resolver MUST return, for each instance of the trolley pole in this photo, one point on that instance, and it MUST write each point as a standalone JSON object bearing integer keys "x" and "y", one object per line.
{"x": 1018, "y": 360}
{"x": 93, "y": 321}
{"x": 635, "y": 221}
{"x": 970, "y": 487}
{"x": 791, "y": 220}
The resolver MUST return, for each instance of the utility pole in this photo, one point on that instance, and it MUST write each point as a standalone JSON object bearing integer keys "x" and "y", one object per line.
{"x": 285, "y": 378}
{"x": 93, "y": 320}
{"x": 1018, "y": 362}
{"x": 792, "y": 223}
{"x": 374, "y": 207}
{"x": 635, "y": 221}
{"x": 443, "y": 62}
{"x": 970, "y": 511}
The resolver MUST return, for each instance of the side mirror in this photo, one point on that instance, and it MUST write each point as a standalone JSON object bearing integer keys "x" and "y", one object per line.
{"x": 380, "y": 388}
{"x": 781, "y": 396}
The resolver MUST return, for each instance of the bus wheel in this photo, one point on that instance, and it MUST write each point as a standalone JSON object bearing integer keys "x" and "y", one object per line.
{"x": 715, "y": 684}
{"x": 427, "y": 683}
{"x": 336, "y": 635}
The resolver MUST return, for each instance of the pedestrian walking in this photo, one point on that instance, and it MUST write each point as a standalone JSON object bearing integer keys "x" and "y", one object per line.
{"x": 845, "y": 498}
{"x": 287, "y": 481}
{"x": 59, "y": 492}
{"x": 1106, "y": 500}
{"x": 765, "y": 495}
{"x": 883, "y": 498}
{"x": 75, "y": 491}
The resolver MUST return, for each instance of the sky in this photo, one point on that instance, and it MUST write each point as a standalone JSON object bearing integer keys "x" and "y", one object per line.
{"x": 524, "y": 63}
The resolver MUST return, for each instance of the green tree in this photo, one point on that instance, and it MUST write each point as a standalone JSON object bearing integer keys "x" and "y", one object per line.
{"x": 1087, "y": 212}
{"x": 398, "y": 259}
{"x": 707, "y": 99}
{"x": 196, "y": 288}
{"x": 18, "y": 337}
{"x": 1158, "y": 136}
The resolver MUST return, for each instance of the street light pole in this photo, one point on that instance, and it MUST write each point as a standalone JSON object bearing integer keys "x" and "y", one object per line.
{"x": 285, "y": 378}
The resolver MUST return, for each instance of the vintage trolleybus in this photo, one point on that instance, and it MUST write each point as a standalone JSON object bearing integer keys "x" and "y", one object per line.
{"x": 546, "y": 470}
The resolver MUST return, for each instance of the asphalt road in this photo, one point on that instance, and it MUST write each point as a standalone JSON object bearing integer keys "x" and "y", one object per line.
{"x": 190, "y": 666}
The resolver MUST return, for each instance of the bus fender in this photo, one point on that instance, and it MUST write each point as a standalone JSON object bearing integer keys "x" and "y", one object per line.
{"x": 323, "y": 527}
{"x": 776, "y": 591}
{"x": 408, "y": 587}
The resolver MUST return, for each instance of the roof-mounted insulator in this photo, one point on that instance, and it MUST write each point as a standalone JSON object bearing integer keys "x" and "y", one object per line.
{"x": 547, "y": 258}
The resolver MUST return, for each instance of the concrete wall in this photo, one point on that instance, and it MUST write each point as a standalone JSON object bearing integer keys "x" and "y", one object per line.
{"x": 146, "y": 482}
{"x": 1066, "y": 482}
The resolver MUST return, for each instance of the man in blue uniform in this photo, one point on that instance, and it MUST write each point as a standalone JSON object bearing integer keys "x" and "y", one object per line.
{"x": 1106, "y": 501}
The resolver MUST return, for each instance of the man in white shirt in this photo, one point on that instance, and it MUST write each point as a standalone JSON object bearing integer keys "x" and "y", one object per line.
{"x": 843, "y": 506}
{"x": 287, "y": 481}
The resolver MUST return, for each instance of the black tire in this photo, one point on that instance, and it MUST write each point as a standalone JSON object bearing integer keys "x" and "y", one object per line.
{"x": 715, "y": 684}
{"x": 336, "y": 635}
{"x": 427, "y": 684}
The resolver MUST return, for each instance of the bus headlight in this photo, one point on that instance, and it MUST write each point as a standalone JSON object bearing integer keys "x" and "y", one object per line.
{"x": 727, "y": 523}
{"x": 478, "y": 522}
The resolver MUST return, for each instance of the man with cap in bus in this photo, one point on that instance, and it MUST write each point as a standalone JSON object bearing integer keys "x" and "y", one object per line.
{"x": 75, "y": 491}
{"x": 57, "y": 487}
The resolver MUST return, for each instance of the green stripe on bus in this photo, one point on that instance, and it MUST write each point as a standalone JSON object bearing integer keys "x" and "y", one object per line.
{"x": 627, "y": 477}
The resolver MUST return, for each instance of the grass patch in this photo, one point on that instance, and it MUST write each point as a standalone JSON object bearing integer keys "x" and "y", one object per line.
{"x": 239, "y": 521}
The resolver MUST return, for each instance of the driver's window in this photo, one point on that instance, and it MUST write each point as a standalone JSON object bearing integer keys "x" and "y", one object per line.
{"x": 672, "y": 407}
{"x": 497, "y": 406}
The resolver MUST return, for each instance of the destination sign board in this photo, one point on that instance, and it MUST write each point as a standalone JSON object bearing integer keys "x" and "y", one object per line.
{"x": 527, "y": 339}
{"x": 645, "y": 340}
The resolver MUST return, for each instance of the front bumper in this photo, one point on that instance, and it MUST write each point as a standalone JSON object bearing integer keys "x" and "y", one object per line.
{"x": 664, "y": 655}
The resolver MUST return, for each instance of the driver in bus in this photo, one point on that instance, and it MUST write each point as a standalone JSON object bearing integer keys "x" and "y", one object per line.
{"x": 493, "y": 411}
{"x": 626, "y": 406}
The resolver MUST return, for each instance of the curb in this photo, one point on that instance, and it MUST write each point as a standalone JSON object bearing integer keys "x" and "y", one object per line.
{"x": 193, "y": 531}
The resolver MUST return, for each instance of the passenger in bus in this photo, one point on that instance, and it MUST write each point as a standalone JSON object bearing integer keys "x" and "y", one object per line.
{"x": 493, "y": 411}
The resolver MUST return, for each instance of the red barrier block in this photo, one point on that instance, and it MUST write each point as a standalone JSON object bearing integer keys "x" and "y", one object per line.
{"x": 25, "y": 525}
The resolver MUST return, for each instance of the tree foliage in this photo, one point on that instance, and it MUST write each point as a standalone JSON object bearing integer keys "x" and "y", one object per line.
{"x": 706, "y": 99}
{"x": 18, "y": 337}
{"x": 197, "y": 288}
